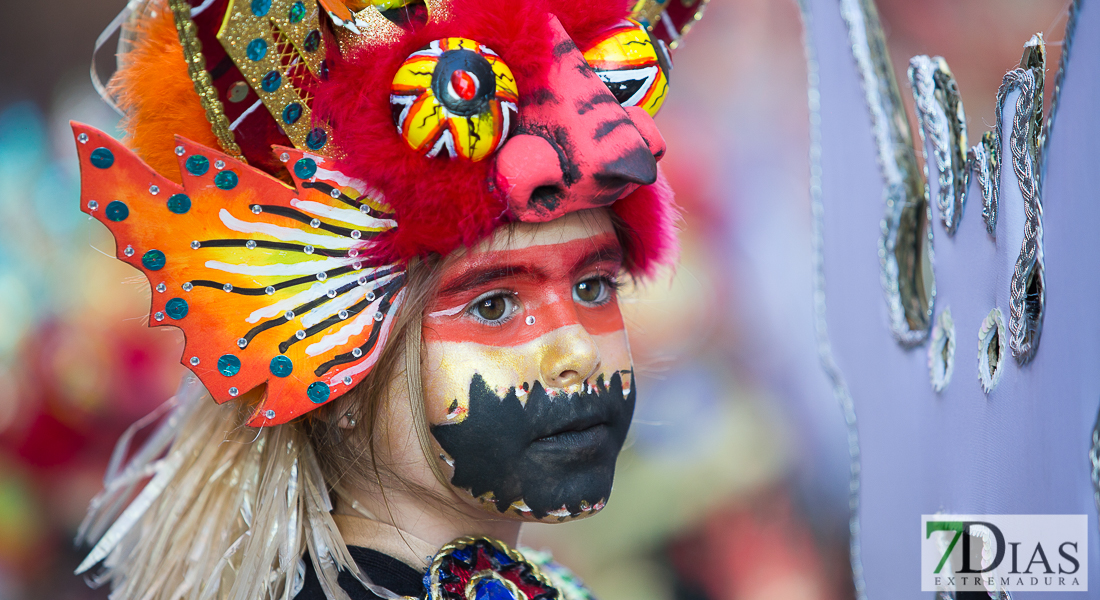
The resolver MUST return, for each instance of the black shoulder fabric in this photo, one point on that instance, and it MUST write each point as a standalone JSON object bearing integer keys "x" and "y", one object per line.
{"x": 382, "y": 569}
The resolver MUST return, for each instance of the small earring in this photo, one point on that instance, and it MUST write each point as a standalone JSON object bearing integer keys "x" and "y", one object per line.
{"x": 351, "y": 419}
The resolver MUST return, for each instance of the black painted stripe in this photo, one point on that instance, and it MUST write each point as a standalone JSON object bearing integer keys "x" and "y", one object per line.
{"x": 375, "y": 331}
{"x": 240, "y": 243}
{"x": 246, "y": 291}
{"x": 386, "y": 293}
{"x": 327, "y": 190}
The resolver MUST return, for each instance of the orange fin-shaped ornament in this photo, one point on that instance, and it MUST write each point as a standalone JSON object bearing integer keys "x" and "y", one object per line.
{"x": 271, "y": 284}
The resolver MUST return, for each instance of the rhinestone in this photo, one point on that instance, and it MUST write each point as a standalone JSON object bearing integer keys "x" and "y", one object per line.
{"x": 227, "y": 287}
{"x": 288, "y": 315}
{"x": 194, "y": 361}
{"x": 378, "y": 316}
{"x": 355, "y": 234}
{"x": 219, "y": 164}
{"x": 92, "y": 205}
{"x": 159, "y": 316}
{"x": 308, "y": 249}
{"x": 250, "y": 244}
{"x": 371, "y": 296}
{"x": 154, "y": 190}
{"x": 347, "y": 379}
{"x": 270, "y": 414}
{"x": 129, "y": 251}
{"x": 233, "y": 392}
{"x": 241, "y": 343}
{"x": 343, "y": 314}
{"x": 357, "y": 352}
{"x": 530, "y": 319}
{"x": 353, "y": 253}
{"x": 195, "y": 245}
{"x": 357, "y": 265}
{"x": 161, "y": 287}
{"x": 300, "y": 334}
{"x": 256, "y": 209}
{"x": 179, "y": 152}
{"x": 82, "y": 138}
{"x": 336, "y": 193}
{"x": 331, "y": 293}
{"x": 363, "y": 208}
{"x": 269, "y": 290}
{"x": 362, "y": 280}
{"x": 284, "y": 157}
{"x": 322, "y": 276}
{"x": 315, "y": 223}
{"x": 187, "y": 287}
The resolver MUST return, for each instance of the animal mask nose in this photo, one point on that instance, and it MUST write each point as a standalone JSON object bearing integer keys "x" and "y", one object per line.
{"x": 575, "y": 147}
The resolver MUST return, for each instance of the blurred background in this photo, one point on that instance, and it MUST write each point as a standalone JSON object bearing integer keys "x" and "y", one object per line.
{"x": 735, "y": 481}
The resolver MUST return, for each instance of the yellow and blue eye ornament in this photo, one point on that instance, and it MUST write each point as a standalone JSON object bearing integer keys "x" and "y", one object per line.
{"x": 632, "y": 64}
{"x": 454, "y": 98}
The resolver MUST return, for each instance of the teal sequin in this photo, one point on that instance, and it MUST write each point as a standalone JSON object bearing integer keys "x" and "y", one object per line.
{"x": 281, "y": 366}
{"x": 297, "y": 12}
{"x": 176, "y": 308}
{"x": 102, "y": 158}
{"x": 257, "y": 49}
{"x": 153, "y": 260}
{"x": 229, "y": 365}
{"x": 318, "y": 392}
{"x": 117, "y": 211}
{"x": 226, "y": 180}
{"x": 179, "y": 203}
{"x": 198, "y": 165}
{"x": 305, "y": 168}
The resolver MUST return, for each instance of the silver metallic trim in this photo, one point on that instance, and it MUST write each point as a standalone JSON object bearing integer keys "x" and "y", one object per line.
{"x": 1028, "y": 289}
{"x": 985, "y": 160}
{"x": 905, "y": 246}
{"x": 943, "y": 123}
{"x": 824, "y": 348}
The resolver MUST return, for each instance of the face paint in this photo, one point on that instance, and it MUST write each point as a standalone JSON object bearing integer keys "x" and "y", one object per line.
{"x": 528, "y": 381}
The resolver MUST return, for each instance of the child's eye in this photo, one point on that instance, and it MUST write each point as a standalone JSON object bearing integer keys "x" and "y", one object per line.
{"x": 594, "y": 290}
{"x": 494, "y": 309}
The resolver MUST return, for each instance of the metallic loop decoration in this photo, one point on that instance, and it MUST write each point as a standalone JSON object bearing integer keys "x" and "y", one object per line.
{"x": 204, "y": 84}
{"x": 1028, "y": 289}
{"x": 943, "y": 124}
{"x": 905, "y": 246}
{"x": 984, "y": 160}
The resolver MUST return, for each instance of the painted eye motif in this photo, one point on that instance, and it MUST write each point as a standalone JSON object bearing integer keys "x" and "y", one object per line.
{"x": 455, "y": 98}
{"x": 633, "y": 67}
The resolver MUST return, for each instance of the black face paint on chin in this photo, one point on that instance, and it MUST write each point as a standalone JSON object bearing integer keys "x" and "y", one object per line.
{"x": 553, "y": 452}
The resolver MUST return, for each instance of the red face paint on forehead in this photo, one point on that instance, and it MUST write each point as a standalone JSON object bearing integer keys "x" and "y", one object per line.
{"x": 540, "y": 279}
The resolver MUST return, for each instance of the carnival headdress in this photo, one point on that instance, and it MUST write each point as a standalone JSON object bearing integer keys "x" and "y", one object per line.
{"x": 282, "y": 174}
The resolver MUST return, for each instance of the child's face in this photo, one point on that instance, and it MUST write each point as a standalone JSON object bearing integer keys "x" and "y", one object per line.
{"x": 528, "y": 382}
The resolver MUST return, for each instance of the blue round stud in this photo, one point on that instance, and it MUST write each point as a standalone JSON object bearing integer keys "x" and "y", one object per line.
{"x": 316, "y": 139}
{"x": 297, "y": 12}
{"x": 102, "y": 158}
{"x": 153, "y": 260}
{"x": 179, "y": 203}
{"x": 312, "y": 41}
{"x": 318, "y": 392}
{"x": 271, "y": 81}
{"x": 260, "y": 7}
{"x": 197, "y": 165}
{"x": 117, "y": 211}
{"x": 492, "y": 589}
{"x": 256, "y": 49}
{"x": 305, "y": 168}
{"x": 229, "y": 365}
{"x": 281, "y": 366}
{"x": 176, "y": 308}
{"x": 226, "y": 180}
{"x": 292, "y": 113}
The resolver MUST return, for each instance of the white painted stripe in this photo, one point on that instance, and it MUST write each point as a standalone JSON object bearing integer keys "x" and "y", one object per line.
{"x": 342, "y": 335}
{"x": 245, "y": 114}
{"x": 449, "y": 312}
{"x": 314, "y": 292}
{"x": 340, "y": 179}
{"x": 310, "y": 267}
{"x": 285, "y": 234}
{"x": 370, "y": 359}
{"x": 344, "y": 215}
{"x": 328, "y": 309}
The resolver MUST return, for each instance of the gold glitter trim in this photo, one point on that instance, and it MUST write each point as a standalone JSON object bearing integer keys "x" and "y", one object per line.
{"x": 204, "y": 85}
{"x": 285, "y": 52}
{"x": 434, "y": 589}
